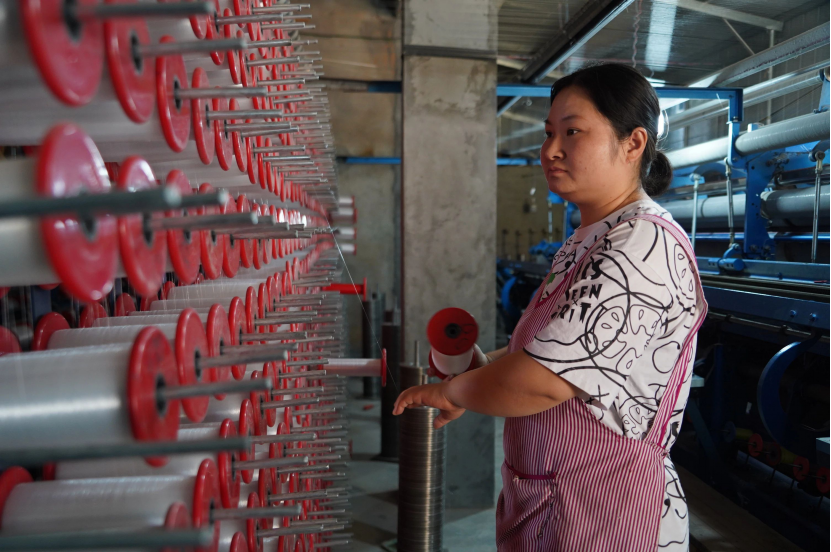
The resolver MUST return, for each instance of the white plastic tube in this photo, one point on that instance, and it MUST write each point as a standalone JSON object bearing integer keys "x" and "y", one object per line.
{"x": 66, "y": 397}
{"x": 451, "y": 364}
{"x": 105, "y": 503}
{"x": 115, "y": 335}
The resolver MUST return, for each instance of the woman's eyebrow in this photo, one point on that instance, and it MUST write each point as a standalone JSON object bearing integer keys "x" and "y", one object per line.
{"x": 566, "y": 118}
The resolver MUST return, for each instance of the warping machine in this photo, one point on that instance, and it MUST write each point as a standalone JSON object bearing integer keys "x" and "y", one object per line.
{"x": 172, "y": 241}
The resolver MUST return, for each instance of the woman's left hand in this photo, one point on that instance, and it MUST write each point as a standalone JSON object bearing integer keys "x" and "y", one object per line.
{"x": 429, "y": 395}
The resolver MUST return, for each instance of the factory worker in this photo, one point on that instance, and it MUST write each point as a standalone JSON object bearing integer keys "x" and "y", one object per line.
{"x": 596, "y": 376}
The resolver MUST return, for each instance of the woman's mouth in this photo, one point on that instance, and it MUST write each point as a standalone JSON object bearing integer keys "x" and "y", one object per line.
{"x": 555, "y": 171}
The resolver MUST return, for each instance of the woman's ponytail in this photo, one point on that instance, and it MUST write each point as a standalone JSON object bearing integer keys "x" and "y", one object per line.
{"x": 658, "y": 176}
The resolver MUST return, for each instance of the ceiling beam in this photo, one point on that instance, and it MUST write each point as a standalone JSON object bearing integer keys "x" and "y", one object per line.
{"x": 726, "y": 13}
{"x": 587, "y": 22}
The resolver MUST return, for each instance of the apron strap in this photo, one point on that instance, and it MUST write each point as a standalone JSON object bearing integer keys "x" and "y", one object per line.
{"x": 660, "y": 423}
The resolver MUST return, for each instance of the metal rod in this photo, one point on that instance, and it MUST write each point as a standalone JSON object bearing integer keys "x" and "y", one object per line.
{"x": 331, "y": 544}
{"x": 241, "y": 19}
{"x": 272, "y": 336}
{"x": 285, "y": 438}
{"x": 784, "y": 329}
{"x": 729, "y": 186}
{"x": 277, "y": 149}
{"x": 287, "y": 26}
{"x": 334, "y": 476}
{"x": 815, "y": 229}
{"x": 304, "y": 469}
{"x": 255, "y": 513}
{"x": 116, "y": 203}
{"x": 201, "y": 222}
{"x": 271, "y": 61}
{"x": 97, "y": 539}
{"x": 279, "y": 82}
{"x": 219, "y": 197}
{"x": 298, "y": 320}
{"x": 696, "y": 181}
{"x": 277, "y": 8}
{"x": 280, "y": 347}
{"x": 282, "y": 531}
{"x": 252, "y": 133}
{"x": 289, "y": 402}
{"x": 207, "y": 389}
{"x": 191, "y": 46}
{"x": 39, "y": 456}
{"x": 319, "y": 428}
{"x": 245, "y": 114}
{"x": 285, "y": 101}
{"x": 249, "y": 357}
{"x": 307, "y": 495}
{"x": 221, "y": 92}
{"x": 279, "y": 125}
{"x": 269, "y": 43}
{"x": 271, "y": 463}
{"x": 172, "y": 9}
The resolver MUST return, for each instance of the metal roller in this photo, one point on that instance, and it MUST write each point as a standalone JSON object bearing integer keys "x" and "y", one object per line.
{"x": 422, "y": 459}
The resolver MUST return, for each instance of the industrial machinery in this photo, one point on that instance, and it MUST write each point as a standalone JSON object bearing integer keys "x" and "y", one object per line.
{"x": 756, "y": 207}
{"x": 172, "y": 245}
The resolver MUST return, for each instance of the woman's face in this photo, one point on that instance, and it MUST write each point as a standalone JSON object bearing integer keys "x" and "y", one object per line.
{"x": 581, "y": 156}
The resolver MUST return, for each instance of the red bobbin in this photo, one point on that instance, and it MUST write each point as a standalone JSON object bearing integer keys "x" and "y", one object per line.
{"x": 203, "y": 130}
{"x": 133, "y": 82}
{"x": 174, "y": 114}
{"x": 69, "y": 55}
{"x": 191, "y": 343}
{"x": 83, "y": 254}
{"x": 143, "y": 254}
{"x": 184, "y": 246}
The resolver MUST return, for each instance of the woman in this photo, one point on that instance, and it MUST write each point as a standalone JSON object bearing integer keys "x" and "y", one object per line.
{"x": 596, "y": 376}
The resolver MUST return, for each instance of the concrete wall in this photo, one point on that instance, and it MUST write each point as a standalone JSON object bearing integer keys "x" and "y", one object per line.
{"x": 360, "y": 39}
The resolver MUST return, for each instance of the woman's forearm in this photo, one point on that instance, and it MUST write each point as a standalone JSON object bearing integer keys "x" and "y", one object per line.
{"x": 515, "y": 385}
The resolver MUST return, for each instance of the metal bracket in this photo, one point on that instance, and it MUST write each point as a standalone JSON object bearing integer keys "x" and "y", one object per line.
{"x": 757, "y": 243}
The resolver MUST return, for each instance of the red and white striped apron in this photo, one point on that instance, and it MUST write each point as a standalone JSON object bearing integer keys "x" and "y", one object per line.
{"x": 570, "y": 483}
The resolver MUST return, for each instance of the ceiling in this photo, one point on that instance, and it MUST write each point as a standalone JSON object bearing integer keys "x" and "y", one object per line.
{"x": 670, "y": 41}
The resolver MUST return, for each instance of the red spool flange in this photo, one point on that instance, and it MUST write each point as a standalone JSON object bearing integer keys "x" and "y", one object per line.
{"x": 70, "y": 63}
{"x": 83, "y": 258}
{"x": 184, "y": 247}
{"x": 143, "y": 259}
{"x": 191, "y": 343}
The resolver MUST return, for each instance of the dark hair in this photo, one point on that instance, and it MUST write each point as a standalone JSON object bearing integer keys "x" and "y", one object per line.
{"x": 628, "y": 101}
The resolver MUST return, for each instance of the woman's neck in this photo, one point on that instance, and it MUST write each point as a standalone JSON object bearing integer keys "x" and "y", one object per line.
{"x": 589, "y": 214}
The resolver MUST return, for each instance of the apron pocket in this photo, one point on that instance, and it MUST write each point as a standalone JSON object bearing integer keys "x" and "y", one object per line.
{"x": 524, "y": 509}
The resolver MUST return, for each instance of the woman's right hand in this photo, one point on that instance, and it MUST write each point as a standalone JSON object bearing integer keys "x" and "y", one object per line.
{"x": 429, "y": 395}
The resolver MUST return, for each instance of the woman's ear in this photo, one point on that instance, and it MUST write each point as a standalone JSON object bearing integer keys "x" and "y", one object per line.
{"x": 634, "y": 146}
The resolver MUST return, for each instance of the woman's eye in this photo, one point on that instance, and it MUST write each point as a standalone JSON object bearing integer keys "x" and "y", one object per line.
{"x": 547, "y": 134}
{"x": 571, "y": 131}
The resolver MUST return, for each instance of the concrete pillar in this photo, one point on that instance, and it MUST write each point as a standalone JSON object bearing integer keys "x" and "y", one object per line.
{"x": 449, "y": 200}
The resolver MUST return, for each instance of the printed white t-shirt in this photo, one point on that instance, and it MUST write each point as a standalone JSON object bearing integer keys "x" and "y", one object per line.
{"x": 623, "y": 363}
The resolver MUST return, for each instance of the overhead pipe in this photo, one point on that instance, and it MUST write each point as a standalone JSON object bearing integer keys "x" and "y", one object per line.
{"x": 799, "y": 130}
{"x": 818, "y": 37}
{"x": 784, "y": 208}
{"x": 753, "y": 95}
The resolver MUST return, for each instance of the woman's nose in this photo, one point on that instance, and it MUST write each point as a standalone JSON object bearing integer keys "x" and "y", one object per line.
{"x": 551, "y": 149}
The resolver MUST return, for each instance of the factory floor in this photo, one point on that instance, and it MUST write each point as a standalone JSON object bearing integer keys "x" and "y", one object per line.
{"x": 375, "y": 484}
